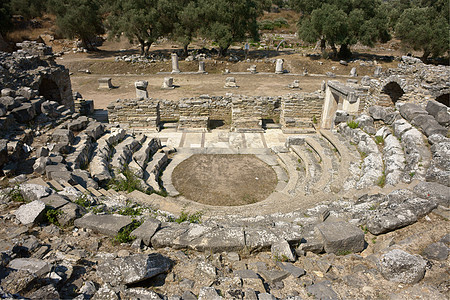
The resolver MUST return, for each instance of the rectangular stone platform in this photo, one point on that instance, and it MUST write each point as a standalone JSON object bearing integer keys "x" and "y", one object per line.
{"x": 195, "y": 124}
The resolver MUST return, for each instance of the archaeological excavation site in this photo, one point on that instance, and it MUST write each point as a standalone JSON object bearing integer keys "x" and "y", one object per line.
{"x": 336, "y": 191}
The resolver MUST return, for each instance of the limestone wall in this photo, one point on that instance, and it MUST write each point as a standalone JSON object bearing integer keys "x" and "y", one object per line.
{"x": 237, "y": 108}
{"x": 299, "y": 110}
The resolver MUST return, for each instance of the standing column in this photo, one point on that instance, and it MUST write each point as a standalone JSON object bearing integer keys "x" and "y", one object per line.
{"x": 279, "y": 66}
{"x": 201, "y": 66}
{"x": 175, "y": 68}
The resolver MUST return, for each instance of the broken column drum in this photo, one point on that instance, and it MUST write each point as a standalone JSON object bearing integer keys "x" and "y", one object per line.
{"x": 279, "y": 66}
{"x": 141, "y": 89}
{"x": 201, "y": 67}
{"x": 175, "y": 68}
{"x": 168, "y": 83}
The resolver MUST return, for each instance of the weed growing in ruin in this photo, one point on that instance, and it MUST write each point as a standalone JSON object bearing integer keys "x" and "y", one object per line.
{"x": 191, "y": 218}
{"x": 362, "y": 153}
{"x": 314, "y": 119}
{"x": 382, "y": 180}
{"x": 411, "y": 174}
{"x": 373, "y": 207}
{"x": 343, "y": 252}
{"x": 124, "y": 235}
{"x": 352, "y": 124}
{"x": 131, "y": 183}
{"x": 365, "y": 229}
{"x": 83, "y": 201}
{"x": 379, "y": 140}
{"x": 130, "y": 211}
{"x": 15, "y": 195}
{"x": 51, "y": 216}
{"x": 282, "y": 258}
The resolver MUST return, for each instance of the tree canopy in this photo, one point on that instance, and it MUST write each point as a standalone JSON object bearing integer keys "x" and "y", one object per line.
{"x": 425, "y": 29}
{"x": 78, "y": 18}
{"x": 342, "y": 23}
{"x": 228, "y": 21}
{"x": 421, "y": 25}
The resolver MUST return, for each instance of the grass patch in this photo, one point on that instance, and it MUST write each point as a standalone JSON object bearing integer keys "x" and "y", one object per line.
{"x": 343, "y": 252}
{"x": 411, "y": 174}
{"x": 130, "y": 211}
{"x": 124, "y": 235}
{"x": 282, "y": 258}
{"x": 131, "y": 183}
{"x": 363, "y": 154}
{"x": 379, "y": 140}
{"x": 382, "y": 180}
{"x": 352, "y": 124}
{"x": 191, "y": 218}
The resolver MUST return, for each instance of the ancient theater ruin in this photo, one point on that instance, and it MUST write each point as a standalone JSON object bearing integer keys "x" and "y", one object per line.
{"x": 327, "y": 190}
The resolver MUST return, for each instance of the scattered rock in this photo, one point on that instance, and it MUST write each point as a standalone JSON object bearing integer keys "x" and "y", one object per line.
{"x": 400, "y": 266}
{"x": 30, "y": 213}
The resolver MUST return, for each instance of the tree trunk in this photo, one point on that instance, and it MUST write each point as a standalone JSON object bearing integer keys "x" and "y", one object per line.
{"x": 185, "y": 50}
{"x": 147, "y": 49}
{"x": 323, "y": 46}
{"x": 425, "y": 55}
{"x": 344, "y": 51}
{"x": 223, "y": 51}
{"x": 142, "y": 46}
{"x": 334, "y": 49}
{"x": 87, "y": 43}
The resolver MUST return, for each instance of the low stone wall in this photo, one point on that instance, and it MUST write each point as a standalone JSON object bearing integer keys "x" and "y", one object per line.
{"x": 301, "y": 110}
{"x": 239, "y": 109}
{"x": 135, "y": 112}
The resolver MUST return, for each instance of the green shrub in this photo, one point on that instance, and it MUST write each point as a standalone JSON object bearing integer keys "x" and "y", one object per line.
{"x": 124, "y": 235}
{"x": 266, "y": 25}
{"x": 15, "y": 195}
{"x": 130, "y": 211}
{"x": 314, "y": 119}
{"x": 51, "y": 216}
{"x": 131, "y": 183}
{"x": 83, "y": 201}
{"x": 280, "y": 22}
{"x": 352, "y": 124}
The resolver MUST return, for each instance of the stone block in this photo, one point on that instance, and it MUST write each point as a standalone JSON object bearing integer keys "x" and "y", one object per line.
{"x": 105, "y": 83}
{"x": 293, "y": 270}
{"x": 24, "y": 113}
{"x": 34, "y": 266}
{"x": 409, "y": 111}
{"x": 439, "y": 112}
{"x": 132, "y": 269}
{"x": 282, "y": 250}
{"x": 32, "y": 192}
{"x": 105, "y": 224}
{"x": 340, "y": 237}
{"x": 146, "y": 231}
{"x": 30, "y": 213}
{"x": 64, "y": 136}
{"x": 436, "y": 251}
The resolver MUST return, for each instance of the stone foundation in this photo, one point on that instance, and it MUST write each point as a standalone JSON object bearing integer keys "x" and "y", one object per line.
{"x": 245, "y": 112}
